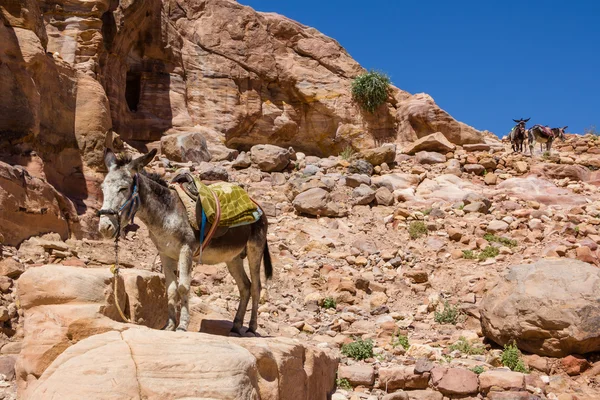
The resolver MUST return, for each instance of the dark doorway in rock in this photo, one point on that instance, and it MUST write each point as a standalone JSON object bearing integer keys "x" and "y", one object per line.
{"x": 133, "y": 89}
{"x": 109, "y": 29}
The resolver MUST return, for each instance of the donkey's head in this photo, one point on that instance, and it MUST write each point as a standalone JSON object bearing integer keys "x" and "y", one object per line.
{"x": 560, "y": 132}
{"x": 119, "y": 189}
{"x": 521, "y": 122}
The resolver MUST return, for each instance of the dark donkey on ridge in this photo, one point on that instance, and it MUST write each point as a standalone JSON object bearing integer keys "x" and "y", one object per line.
{"x": 163, "y": 212}
{"x": 518, "y": 135}
{"x": 544, "y": 134}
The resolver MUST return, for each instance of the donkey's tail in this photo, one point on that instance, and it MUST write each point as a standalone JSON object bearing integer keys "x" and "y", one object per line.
{"x": 267, "y": 261}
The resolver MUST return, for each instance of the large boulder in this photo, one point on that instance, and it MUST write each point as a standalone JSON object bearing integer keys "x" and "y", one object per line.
{"x": 550, "y": 308}
{"x": 63, "y": 305}
{"x": 377, "y": 156}
{"x": 434, "y": 142}
{"x": 270, "y": 158}
{"x": 74, "y": 345}
{"x": 184, "y": 147}
{"x": 187, "y": 365}
{"x": 446, "y": 187}
{"x": 540, "y": 190}
{"x": 560, "y": 171}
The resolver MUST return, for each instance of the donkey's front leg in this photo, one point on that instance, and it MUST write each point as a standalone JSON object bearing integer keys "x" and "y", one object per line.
{"x": 184, "y": 267}
{"x": 169, "y": 266}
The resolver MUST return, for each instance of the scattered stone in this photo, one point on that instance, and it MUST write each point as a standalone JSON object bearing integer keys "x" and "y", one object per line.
{"x": 361, "y": 167}
{"x": 427, "y": 157}
{"x": 270, "y": 158}
{"x": 434, "y": 142}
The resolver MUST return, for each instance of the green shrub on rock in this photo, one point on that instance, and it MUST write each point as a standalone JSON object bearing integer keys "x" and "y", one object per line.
{"x": 370, "y": 90}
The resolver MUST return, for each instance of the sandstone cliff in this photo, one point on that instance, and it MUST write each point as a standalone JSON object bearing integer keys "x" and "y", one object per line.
{"x": 77, "y": 69}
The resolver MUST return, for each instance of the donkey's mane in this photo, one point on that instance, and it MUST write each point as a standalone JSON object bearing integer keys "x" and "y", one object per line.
{"x": 124, "y": 159}
{"x": 153, "y": 176}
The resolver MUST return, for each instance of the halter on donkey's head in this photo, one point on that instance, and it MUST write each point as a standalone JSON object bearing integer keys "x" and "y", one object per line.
{"x": 128, "y": 209}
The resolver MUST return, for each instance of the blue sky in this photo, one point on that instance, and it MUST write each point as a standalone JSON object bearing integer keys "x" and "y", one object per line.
{"x": 485, "y": 62}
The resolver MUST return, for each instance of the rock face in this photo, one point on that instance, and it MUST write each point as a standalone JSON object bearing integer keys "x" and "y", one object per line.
{"x": 149, "y": 67}
{"x": 63, "y": 305}
{"x": 73, "y": 346}
{"x": 30, "y": 206}
{"x": 556, "y": 322}
{"x": 214, "y": 368}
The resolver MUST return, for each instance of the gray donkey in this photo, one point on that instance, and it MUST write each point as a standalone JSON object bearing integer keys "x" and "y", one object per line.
{"x": 544, "y": 134}
{"x": 129, "y": 189}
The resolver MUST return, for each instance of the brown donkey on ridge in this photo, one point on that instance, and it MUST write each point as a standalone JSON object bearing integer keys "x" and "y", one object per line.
{"x": 129, "y": 189}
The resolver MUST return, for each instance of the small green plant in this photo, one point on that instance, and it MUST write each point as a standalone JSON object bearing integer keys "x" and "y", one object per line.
{"x": 343, "y": 383}
{"x": 449, "y": 315}
{"x": 511, "y": 358}
{"x": 199, "y": 292}
{"x": 468, "y": 255}
{"x": 359, "y": 349}
{"x": 370, "y": 90}
{"x": 488, "y": 252}
{"x": 416, "y": 229}
{"x": 465, "y": 347}
{"x": 347, "y": 153}
{"x": 498, "y": 239}
{"x": 400, "y": 340}
{"x": 329, "y": 302}
{"x": 461, "y": 207}
{"x": 478, "y": 369}
{"x": 577, "y": 229}
{"x": 427, "y": 211}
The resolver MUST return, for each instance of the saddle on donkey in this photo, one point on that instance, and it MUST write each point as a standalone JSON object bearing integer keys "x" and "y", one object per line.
{"x": 544, "y": 130}
{"x": 221, "y": 206}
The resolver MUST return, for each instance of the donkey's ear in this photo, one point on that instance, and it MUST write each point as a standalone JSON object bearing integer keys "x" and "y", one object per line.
{"x": 139, "y": 163}
{"x": 527, "y": 120}
{"x": 110, "y": 160}
{"x": 515, "y": 120}
{"x": 565, "y": 127}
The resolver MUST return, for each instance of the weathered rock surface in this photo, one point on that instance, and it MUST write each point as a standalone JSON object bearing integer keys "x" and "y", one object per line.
{"x": 435, "y": 142}
{"x": 183, "y": 147}
{"x": 31, "y": 206}
{"x": 554, "y": 322}
{"x": 270, "y": 158}
{"x": 63, "y": 305}
{"x": 214, "y": 368}
{"x": 318, "y": 202}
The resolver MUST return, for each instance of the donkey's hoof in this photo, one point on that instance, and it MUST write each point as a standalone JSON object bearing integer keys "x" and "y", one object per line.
{"x": 181, "y": 329}
{"x": 169, "y": 327}
{"x": 251, "y": 333}
{"x": 236, "y": 332}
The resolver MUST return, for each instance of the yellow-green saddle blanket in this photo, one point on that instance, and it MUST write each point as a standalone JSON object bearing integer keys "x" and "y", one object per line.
{"x": 237, "y": 208}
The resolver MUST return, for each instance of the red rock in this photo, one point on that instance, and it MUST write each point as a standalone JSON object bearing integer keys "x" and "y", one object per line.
{"x": 454, "y": 381}
{"x": 574, "y": 364}
{"x": 357, "y": 374}
{"x": 503, "y": 379}
{"x": 402, "y": 377}
{"x": 585, "y": 254}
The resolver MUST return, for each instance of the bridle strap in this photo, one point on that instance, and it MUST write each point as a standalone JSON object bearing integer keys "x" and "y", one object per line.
{"x": 133, "y": 202}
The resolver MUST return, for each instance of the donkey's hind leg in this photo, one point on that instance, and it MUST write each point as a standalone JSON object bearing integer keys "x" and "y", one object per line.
{"x": 169, "y": 265}
{"x": 255, "y": 256}
{"x": 236, "y": 269}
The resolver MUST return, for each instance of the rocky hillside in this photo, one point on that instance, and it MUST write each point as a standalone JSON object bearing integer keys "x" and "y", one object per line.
{"x": 150, "y": 70}
{"x": 411, "y": 274}
{"x": 415, "y": 257}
